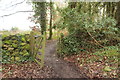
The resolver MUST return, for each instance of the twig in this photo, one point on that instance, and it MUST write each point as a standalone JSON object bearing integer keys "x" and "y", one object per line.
{"x": 15, "y": 13}
{"x": 94, "y": 39}
{"x": 6, "y": 72}
{"x": 14, "y": 4}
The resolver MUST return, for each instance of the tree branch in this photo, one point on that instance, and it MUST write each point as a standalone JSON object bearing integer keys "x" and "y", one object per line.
{"x": 14, "y": 13}
{"x": 14, "y": 4}
{"x": 95, "y": 39}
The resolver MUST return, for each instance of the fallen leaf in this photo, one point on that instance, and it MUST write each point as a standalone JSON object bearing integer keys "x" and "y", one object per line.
{"x": 107, "y": 68}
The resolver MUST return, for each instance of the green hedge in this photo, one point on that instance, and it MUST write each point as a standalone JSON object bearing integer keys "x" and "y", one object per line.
{"x": 15, "y": 48}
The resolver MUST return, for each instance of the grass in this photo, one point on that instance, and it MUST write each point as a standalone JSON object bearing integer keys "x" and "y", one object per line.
{"x": 7, "y": 33}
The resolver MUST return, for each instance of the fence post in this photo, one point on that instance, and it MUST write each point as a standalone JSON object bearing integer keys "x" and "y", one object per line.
{"x": 43, "y": 49}
{"x": 32, "y": 45}
{"x": 35, "y": 47}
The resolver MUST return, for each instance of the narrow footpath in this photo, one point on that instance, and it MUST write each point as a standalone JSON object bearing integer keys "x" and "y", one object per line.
{"x": 61, "y": 68}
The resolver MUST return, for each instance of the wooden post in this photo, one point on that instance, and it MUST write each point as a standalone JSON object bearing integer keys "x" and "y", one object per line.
{"x": 37, "y": 40}
{"x": 43, "y": 49}
{"x": 32, "y": 41}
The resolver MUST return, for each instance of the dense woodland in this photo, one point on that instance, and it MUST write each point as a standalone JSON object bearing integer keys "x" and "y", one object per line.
{"x": 87, "y": 35}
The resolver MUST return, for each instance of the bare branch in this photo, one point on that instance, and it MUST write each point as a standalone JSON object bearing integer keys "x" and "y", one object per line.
{"x": 14, "y": 5}
{"x": 15, "y": 13}
{"x": 17, "y": 3}
{"x": 95, "y": 39}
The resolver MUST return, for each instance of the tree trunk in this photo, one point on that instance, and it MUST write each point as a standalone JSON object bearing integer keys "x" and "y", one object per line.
{"x": 72, "y": 5}
{"x": 50, "y": 30}
{"x": 118, "y": 15}
{"x": 108, "y": 8}
{"x": 43, "y": 17}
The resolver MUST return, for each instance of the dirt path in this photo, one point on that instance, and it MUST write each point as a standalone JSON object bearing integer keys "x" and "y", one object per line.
{"x": 54, "y": 67}
{"x": 61, "y": 68}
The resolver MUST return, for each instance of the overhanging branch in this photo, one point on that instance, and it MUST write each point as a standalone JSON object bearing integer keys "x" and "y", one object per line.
{"x": 14, "y": 5}
{"x": 17, "y": 3}
{"x": 14, "y": 13}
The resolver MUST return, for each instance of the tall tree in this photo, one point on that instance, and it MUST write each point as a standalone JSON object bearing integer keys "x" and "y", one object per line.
{"x": 51, "y": 15}
{"x": 72, "y": 4}
{"x": 118, "y": 14}
{"x": 40, "y": 14}
{"x": 43, "y": 17}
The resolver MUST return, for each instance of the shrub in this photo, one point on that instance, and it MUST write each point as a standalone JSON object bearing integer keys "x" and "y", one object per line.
{"x": 15, "y": 48}
{"x": 85, "y": 32}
